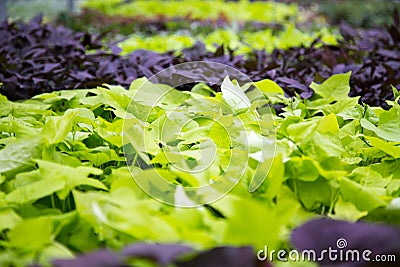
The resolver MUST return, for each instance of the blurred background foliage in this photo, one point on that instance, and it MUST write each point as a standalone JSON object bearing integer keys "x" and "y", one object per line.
{"x": 27, "y": 9}
{"x": 358, "y": 13}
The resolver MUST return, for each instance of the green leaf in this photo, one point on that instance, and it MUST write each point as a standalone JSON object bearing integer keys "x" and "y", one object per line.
{"x": 391, "y": 149}
{"x": 8, "y": 219}
{"x": 169, "y": 126}
{"x": 98, "y": 156}
{"x": 18, "y": 156}
{"x": 57, "y": 128}
{"x": 303, "y": 169}
{"x": 49, "y": 153}
{"x": 388, "y": 126}
{"x": 5, "y": 106}
{"x": 367, "y": 177}
{"x": 388, "y": 167}
{"x": 141, "y": 140}
{"x": 396, "y": 96}
{"x": 157, "y": 95}
{"x": 272, "y": 176}
{"x": 329, "y": 123}
{"x": 257, "y": 223}
{"x": 116, "y": 97}
{"x": 234, "y": 96}
{"x": 55, "y": 251}
{"x": 32, "y": 233}
{"x": 34, "y": 191}
{"x": 202, "y": 89}
{"x": 111, "y": 132}
{"x": 269, "y": 87}
{"x": 138, "y": 83}
{"x": 219, "y": 133}
{"x": 301, "y": 131}
{"x": 19, "y": 127}
{"x": 335, "y": 87}
{"x": 345, "y": 210}
{"x": 314, "y": 194}
{"x": 340, "y": 106}
{"x": 363, "y": 198}
{"x": 69, "y": 176}
{"x": 323, "y": 146}
{"x": 50, "y": 178}
{"x": 393, "y": 188}
{"x": 386, "y": 215}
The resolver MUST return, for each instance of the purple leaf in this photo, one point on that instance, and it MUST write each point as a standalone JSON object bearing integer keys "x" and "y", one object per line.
{"x": 325, "y": 234}
{"x": 100, "y": 258}
{"x": 161, "y": 254}
{"x": 224, "y": 256}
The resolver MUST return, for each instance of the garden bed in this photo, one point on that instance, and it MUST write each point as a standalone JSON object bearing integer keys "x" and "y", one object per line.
{"x": 253, "y": 147}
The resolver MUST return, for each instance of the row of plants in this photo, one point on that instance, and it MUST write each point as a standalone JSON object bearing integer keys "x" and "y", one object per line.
{"x": 158, "y": 21}
{"x": 242, "y": 26}
{"x": 263, "y": 11}
{"x": 240, "y": 41}
{"x": 67, "y": 162}
{"x": 370, "y": 13}
{"x": 116, "y": 25}
{"x": 38, "y": 57}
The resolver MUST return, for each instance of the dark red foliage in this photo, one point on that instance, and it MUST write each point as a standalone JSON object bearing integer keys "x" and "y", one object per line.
{"x": 37, "y": 58}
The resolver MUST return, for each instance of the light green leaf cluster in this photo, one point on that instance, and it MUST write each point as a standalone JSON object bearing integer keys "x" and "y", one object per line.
{"x": 66, "y": 187}
{"x": 242, "y": 42}
{"x": 338, "y": 150}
